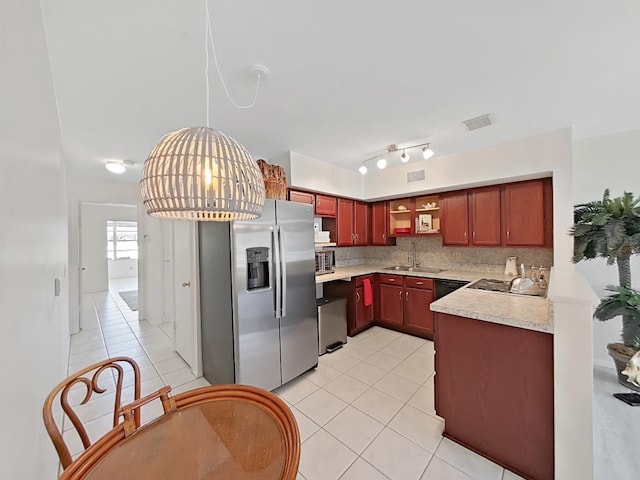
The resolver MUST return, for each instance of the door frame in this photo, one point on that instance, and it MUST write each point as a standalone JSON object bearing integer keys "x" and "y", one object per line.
{"x": 76, "y": 320}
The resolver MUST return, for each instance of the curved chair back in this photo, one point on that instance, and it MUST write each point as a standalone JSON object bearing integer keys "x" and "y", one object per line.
{"x": 84, "y": 384}
{"x": 199, "y": 426}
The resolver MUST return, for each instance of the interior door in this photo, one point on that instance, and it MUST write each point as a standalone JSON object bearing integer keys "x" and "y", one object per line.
{"x": 186, "y": 324}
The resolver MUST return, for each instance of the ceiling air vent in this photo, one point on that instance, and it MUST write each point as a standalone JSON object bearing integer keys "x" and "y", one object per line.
{"x": 417, "y": 176}
{"x": 478, "y": 122}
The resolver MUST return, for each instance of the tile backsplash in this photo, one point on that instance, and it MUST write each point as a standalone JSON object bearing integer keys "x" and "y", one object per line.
{"x": 431, "y": 253}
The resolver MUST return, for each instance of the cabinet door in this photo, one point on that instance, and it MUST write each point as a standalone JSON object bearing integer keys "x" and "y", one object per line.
{"x": 325, "y": 205}
{"x": 454, "y": 218}
{"x": 416, "y": 309}
{"x": 523, "y": 213}
{"x": 364, "y": 314}
{"x": 361, "y": 223}
{"x": 300, "y": 197}
{"x": 391, "y": 304}
{"x": 484, "y": 213}
{"x": 346, "y": 235}
{"x": 378, "y": 234}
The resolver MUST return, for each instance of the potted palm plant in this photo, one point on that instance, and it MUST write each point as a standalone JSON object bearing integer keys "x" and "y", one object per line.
{"x": 610, "y": 229}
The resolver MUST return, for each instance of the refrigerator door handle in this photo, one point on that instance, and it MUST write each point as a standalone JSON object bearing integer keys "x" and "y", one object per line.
{"x": 283, "y": 277}
{"x": 277, "y": 263}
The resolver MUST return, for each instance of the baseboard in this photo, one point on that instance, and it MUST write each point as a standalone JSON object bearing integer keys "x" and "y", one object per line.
{"x": 608, "y": 365}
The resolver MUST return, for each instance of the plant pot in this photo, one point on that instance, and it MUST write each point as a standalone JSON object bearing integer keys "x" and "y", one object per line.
{"x": 621, "y": 355}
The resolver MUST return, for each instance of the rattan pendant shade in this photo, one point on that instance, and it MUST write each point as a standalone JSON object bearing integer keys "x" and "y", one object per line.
{"x": 201, "y": 174}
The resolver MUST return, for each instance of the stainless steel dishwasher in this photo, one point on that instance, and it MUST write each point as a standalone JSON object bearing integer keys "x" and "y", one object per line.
{"x": 332, "y": 323}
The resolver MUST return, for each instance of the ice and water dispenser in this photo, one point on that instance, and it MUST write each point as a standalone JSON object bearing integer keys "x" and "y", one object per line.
{"x": 257, "y": 268}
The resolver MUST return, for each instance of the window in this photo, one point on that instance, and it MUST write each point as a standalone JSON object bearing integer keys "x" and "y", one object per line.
{"x": 122, "y": 240}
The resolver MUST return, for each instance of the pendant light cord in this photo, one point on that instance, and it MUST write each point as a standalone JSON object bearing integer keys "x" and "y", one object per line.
{"x": 209, "y": 40}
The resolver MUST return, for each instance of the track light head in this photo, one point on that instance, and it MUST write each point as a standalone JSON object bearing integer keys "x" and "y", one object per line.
{"x": 382, "y": 163}
{"x": 363, "y": 169}
{"x": 427, "y": 153}
{"x": 404, "y": 158}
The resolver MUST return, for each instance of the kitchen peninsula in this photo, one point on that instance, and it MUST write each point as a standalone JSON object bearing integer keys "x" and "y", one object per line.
{"x": 493, "y": 364}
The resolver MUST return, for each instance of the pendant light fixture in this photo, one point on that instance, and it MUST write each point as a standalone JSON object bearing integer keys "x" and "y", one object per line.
{"x": 200, "y": 173}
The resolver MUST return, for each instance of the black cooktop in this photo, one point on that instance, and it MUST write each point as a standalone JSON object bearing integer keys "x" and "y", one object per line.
{"x": 491, "y": 285}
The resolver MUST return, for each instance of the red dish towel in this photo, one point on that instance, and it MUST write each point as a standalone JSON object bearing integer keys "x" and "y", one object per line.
{"x": 368, "y": 292}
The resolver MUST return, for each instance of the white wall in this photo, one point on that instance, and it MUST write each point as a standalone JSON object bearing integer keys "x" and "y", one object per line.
{"x": 312, "y": 174}
{"x": 93, "y": 218}
{"x": 123, "y": 268}
{"x": 93, "y": 190}
{"x": 612, "y": 162}
{"x": 34, "y": 327}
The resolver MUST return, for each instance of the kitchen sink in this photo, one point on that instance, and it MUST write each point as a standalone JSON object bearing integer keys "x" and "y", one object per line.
{"x": 406, "y": 268}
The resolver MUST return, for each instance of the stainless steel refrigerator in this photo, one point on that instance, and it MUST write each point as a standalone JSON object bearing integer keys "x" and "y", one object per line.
{"x": 258, "y": 297}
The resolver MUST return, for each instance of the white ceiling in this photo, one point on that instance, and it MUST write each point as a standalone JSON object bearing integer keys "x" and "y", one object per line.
{"x": 348, "y": 77}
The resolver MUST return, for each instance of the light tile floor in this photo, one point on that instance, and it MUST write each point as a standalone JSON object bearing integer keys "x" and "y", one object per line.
{"x": 366, "y": 412}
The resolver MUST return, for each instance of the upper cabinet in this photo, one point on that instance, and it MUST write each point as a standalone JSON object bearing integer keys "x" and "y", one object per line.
{"x": 353, "y": 223}
{"x": 378, "y": 224}
{"x": 301, "y": 197}
{"x": 414, "y": 216}
{"x": 514, "y": 214}
{"x": 484, "y": 216}
{"x": 523, "y": 214}
{"x": 326, "y": 206}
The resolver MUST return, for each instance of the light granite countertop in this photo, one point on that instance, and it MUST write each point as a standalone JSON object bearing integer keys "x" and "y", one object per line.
{"x": 532, "y": 313}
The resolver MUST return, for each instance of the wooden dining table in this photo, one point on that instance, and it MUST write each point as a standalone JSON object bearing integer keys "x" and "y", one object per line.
{"x": 207, "y": 438}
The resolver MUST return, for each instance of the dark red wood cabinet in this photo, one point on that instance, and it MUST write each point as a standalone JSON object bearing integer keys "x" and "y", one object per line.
{"x": 523, "y": 210}
{"x": 391, "y": 300}
{"x": 494, "y": 389}
{"x": 454, "y": 218}
{"x": 326, "y": 206}
{"x": 512, "y": 215}
{"x": 379, "y": 224}
{"x": 405, "y": 304}
{"x": 359, "y": 316}
{"x": 353, "y": 223}
{"x": 301, "y": 197}
{"x": 484, "y": 216}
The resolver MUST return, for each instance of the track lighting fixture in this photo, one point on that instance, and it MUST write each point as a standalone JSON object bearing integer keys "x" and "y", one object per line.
{"x": 427, "y": 153}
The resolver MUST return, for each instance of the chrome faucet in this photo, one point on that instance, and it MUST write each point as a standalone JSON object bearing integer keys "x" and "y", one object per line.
{"x": 412, "y": 255}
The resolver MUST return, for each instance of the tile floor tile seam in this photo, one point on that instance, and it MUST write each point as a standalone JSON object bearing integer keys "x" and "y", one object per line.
{"x": 364, "y": 460}
{"x": 456, "y": 468}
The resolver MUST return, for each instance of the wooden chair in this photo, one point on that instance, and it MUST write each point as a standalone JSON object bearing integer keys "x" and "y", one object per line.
{"x": 217, "y": 432}
{"x": 116, "y": 366}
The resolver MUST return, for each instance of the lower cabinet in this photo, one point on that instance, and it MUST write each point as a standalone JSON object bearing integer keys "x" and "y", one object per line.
{"x": 404, "y": 304}
{"x": 359, "y": 316}
{"x": 494, "y": 389}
